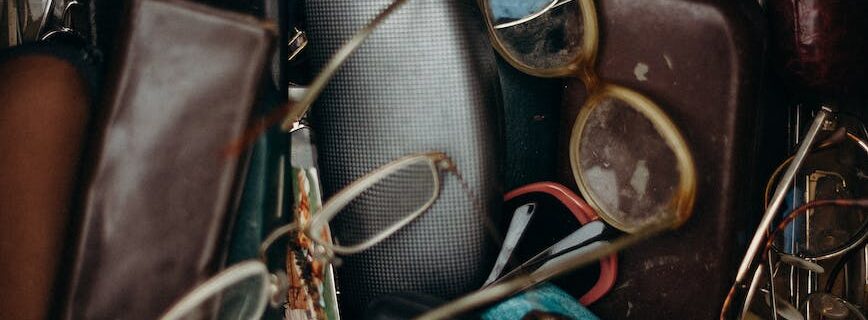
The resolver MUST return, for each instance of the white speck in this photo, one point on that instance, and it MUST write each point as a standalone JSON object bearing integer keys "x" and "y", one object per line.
{"x": 626, "y": 284}
{"x": 640, "y": 178}
{"x": 668, "y": 61}
{"x": 659, "y": 262}
{"x": 641, "y": 71}
{"x": 629, "y": 308}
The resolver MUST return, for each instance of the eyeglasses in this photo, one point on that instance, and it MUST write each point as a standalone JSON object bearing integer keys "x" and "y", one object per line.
{"x": 628, "y": 158}
{"x": 841, "y": 233}
{"x": 291, "y": 114}
{"x": 827, "y": 232}
{"x": 410, "y": 184}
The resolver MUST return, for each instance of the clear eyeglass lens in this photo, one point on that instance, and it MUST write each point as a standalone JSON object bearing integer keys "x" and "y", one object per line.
{"x": 239, "y": 301}
{"x": 628, "y": 168}
{"x": 827, "y": 306}
{"x": 389, "y": 201}
{"x": 822, "y": 231}
{"x": 553, "y": 39}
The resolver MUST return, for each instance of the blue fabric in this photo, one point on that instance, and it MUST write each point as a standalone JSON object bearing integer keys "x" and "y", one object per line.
{"x": 546, "y": 298}
{"x": 516, "y": 9}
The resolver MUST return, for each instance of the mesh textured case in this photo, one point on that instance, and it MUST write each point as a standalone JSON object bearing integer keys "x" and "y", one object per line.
{"x": 424, "y": 81}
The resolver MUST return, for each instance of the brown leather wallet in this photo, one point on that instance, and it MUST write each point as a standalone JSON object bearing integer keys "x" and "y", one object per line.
{"x": 158, "y": 202}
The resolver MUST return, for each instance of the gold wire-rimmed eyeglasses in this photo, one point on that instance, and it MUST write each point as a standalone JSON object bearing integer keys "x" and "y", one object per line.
{"x": 246, "y": 288}
{"x": 817, "y": 231}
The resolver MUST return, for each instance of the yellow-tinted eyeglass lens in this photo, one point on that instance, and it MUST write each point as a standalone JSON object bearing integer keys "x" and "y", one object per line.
{"x": 387, "y": 203}
{"x": 628, "y": 169}
{"x": 539, "y": 34}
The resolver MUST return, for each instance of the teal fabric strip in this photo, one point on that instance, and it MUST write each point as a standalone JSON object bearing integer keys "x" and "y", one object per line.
{"x": 546, "y": 299}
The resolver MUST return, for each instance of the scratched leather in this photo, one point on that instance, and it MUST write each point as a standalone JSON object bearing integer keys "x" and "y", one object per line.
{"x": 160, "y": 192}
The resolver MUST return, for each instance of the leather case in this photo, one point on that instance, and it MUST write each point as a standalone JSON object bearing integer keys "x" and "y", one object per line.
{"x": 702, "y": 62}
{"x": 160, "y": 190}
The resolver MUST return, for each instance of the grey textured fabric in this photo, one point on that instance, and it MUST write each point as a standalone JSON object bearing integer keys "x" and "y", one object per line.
{"x": 424, "y": 81}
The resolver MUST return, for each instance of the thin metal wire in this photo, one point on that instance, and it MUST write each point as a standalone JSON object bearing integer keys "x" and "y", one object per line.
{"x": 780, "y": 193}
{"x": 770, "y": 241}
{"x": 319, "y": 83}
{"x": 532, "y": 16}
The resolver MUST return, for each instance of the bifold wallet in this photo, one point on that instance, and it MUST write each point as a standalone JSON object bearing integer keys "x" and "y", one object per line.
{"x": 160, "y": 192}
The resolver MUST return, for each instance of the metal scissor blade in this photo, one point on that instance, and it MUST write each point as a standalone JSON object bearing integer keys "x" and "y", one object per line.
{"x": 582, "y": 237}
{"x": 517, "y": 226}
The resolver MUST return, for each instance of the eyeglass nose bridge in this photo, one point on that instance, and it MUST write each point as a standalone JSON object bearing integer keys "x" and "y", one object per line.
{"x": 290, "y": 229}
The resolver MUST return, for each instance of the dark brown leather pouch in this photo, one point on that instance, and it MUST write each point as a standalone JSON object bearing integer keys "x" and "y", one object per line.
{"x": 160, "y": 192}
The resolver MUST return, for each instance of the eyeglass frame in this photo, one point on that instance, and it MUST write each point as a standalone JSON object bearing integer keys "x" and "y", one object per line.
{"x": 583, "y": 67}
{"x": 438, "y": 161}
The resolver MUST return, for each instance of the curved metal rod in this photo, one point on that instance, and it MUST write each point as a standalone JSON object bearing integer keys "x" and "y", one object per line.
{"x": 297, "y": 110}
{"x": 779, "y": 195}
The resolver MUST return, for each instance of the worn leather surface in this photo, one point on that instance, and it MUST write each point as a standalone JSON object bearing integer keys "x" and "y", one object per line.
{"x": 701, "y": 61}
{"x": 159, "y": 193}
{"x": 820, "y": 46}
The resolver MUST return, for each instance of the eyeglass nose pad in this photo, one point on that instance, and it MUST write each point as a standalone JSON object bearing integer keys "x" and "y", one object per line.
{"x": 320, "y": 252}
{"x": 801, "y": 263}
{"x": 278, "y": 285}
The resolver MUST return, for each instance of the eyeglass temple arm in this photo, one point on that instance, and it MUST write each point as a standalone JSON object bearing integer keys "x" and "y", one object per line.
{"x": 779, "y": 195}
{"x": 316, "y": 87}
